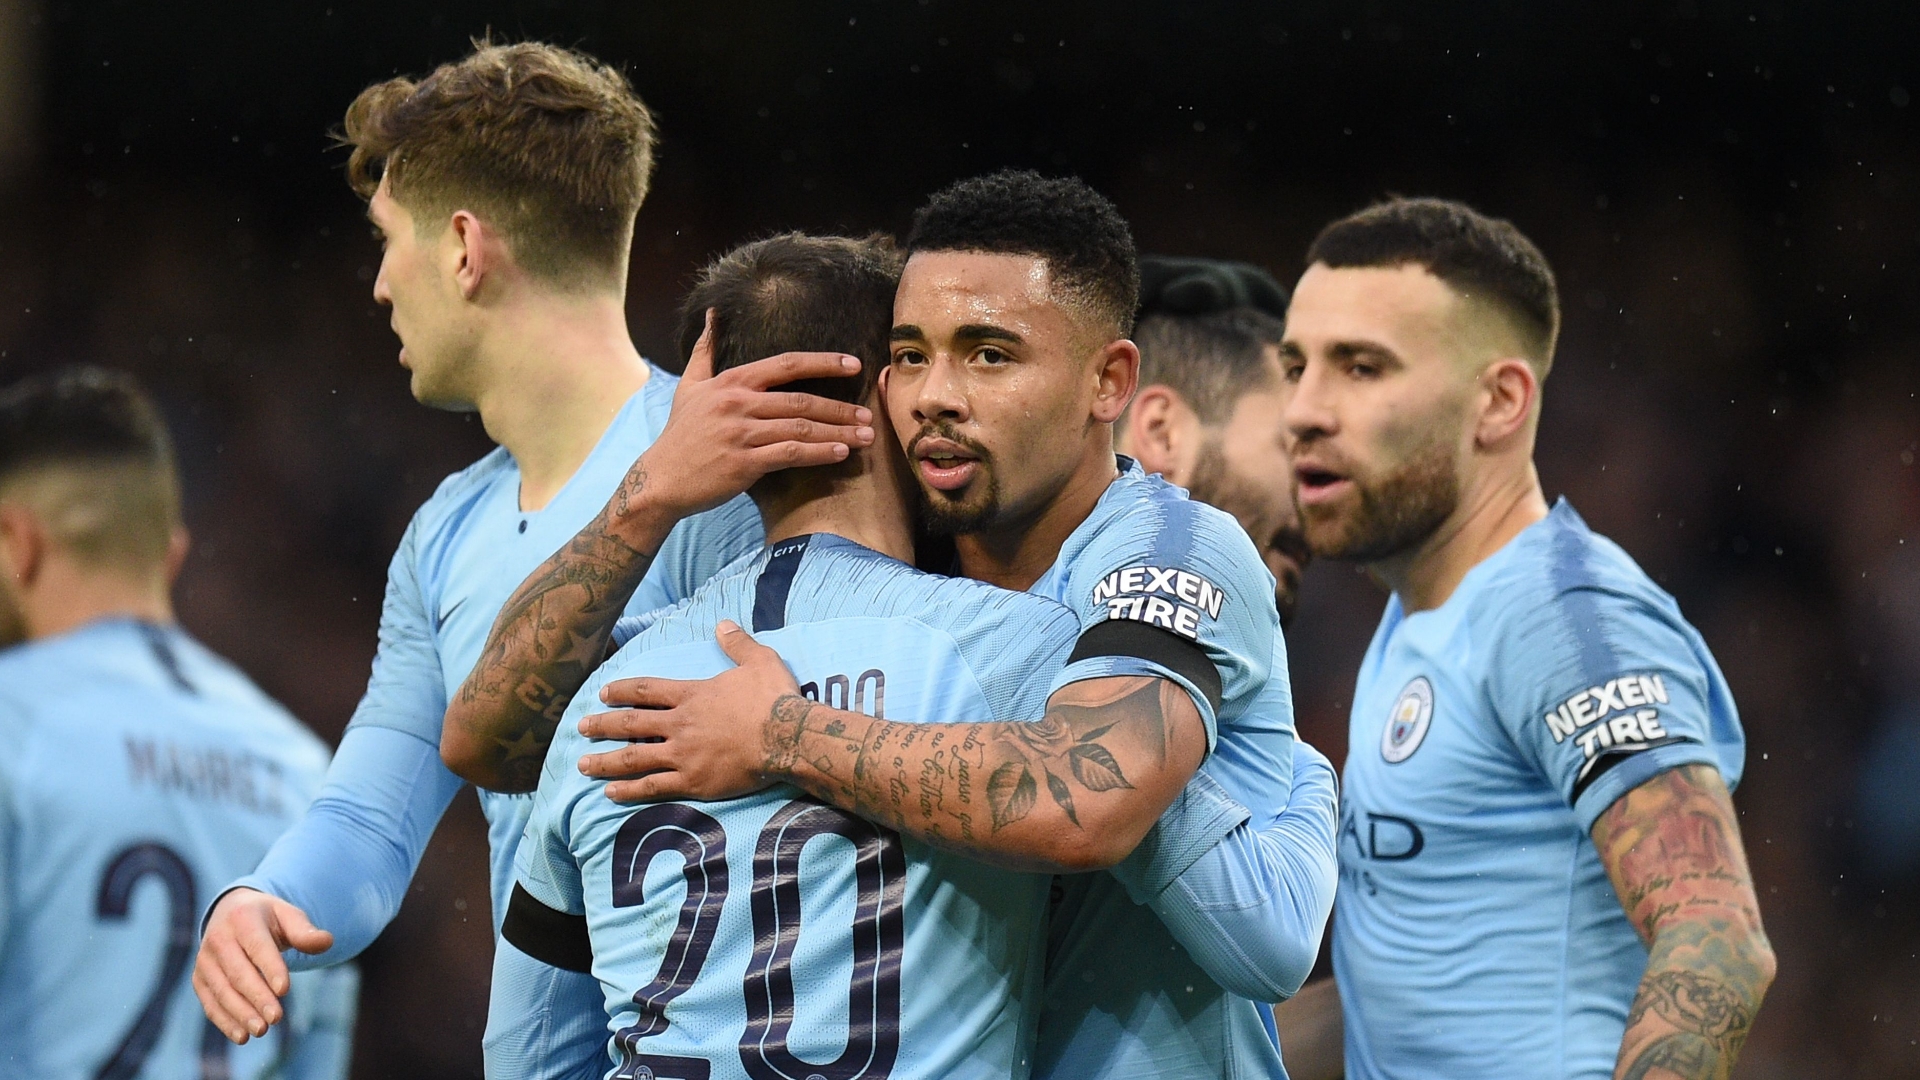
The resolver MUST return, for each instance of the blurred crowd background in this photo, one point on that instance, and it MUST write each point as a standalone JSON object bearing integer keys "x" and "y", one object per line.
{"x": 1729, "y": 192}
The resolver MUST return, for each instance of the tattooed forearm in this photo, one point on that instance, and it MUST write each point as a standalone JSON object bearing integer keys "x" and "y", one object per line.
{"x": 1073, "y": 790}
{"x": 548, "y": 638}
{"x": 1672, "y": 847}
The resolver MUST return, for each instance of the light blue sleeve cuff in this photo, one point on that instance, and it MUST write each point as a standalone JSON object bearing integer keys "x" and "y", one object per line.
{"x": 1201, "y": 815}
{"x": 1633, "y": 771}
{"x": 1105, "y": 667}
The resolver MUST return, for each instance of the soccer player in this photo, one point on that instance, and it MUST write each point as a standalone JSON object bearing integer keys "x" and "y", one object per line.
{"x": 1542, "y": 871}
{"x": 1010, "y": 365}
{"x": 504, "y": 188}
{"x": 780, "y": 937}
{"x": 142, "y": 772}
{"x": 1207, "y": 414}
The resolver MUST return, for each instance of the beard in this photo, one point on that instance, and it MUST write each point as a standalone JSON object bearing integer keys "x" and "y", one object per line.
{"x": 1252, "y": 504}
{"x": 1396, "y": 512}
{"x": 974, "y": 508}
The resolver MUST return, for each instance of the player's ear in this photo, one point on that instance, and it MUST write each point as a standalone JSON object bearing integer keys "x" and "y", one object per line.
{"x": 1116, "y": 373}
{"x": 469, "y": 252}
{"x": 1508, "y": 389}
{"x": 1161, "y": 432}
{"x": 23, "y": 544}
{"x": 178, "y": 544}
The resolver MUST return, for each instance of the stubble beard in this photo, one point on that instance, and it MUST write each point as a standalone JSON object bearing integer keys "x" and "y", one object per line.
{"x": 1396, "y": 513}
{"x": 1215, "y": 483}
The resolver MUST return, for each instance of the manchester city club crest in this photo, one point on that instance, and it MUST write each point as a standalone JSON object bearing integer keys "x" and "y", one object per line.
{"x": 1407, "y": 727}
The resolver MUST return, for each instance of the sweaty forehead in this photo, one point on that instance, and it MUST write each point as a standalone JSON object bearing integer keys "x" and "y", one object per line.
{"x": 943, "y": 289}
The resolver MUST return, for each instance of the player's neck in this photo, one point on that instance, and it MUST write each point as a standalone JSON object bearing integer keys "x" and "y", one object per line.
{"x": 559, "y": 368}
{"x": 1014, "y": 555}
{"x": 1490, "y": 515}
{"x": 865, "y": 504}
{"x": 71, "y": 596}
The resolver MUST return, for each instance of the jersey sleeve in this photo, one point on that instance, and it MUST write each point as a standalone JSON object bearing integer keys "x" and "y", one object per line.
{"x": 406, "y": 691}
{"x": 1252, "y": 907}
{"x": 1179, "y": 593}
{"x": 543, "y": 1022}
{"x": 697, "y": 549}
{"x": 1600, "y": 692}
{"x": 349, "y": 859}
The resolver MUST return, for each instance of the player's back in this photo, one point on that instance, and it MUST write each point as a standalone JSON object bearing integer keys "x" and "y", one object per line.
{"x": 781, "y": 937}
{"x": 143, "y": 773}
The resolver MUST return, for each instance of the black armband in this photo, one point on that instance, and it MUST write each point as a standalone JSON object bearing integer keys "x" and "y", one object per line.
{"x": 552, "y": 937}
{"x": 1126, "y": 637}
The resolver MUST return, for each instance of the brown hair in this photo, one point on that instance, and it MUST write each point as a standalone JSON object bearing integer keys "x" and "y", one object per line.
{"x": 793, "y": 292}
{"x": 550, "y": 145}
{"x": 1468, "y": 250}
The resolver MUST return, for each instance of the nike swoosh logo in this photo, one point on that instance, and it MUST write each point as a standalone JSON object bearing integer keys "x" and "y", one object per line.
{"x": 448, "y": 614}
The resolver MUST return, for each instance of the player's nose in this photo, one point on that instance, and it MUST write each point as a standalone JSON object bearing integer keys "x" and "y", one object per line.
{"x": 1309, "y": 411}
{"x": 942, "y": 393}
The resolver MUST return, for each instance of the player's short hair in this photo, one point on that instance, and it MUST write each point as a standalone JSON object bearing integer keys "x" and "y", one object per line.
{"x": 1080, "y": 235}
{"x": 792, "y": 292}
{"x": 548, "y": 144}
{"x": 1209, "y": 360}
{"x": 88, "y": 449}
{"x": 1473, "y": 253}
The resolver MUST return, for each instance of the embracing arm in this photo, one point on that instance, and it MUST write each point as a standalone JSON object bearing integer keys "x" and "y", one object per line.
{"x": 724, "y": 433}
{"x": 1251, "y": 908}
{"x": 548, "y": 638}
{"x": 1672, "y": 847}
{"x": 1073, "y": 790}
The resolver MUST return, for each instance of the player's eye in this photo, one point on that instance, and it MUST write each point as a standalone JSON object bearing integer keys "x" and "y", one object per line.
{"x": 906, "y": 357}
{"x": 1292, "y": 372}
{"x": 991, "y": 355}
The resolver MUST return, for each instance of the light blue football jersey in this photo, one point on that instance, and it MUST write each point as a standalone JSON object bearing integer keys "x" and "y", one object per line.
{"x": 772, "y": 936}
{"x": 470, "y": 547}
{"x": 1476, "y": 933}
{"x": 142, "y": 773}
{"x": 1150, "y": 557}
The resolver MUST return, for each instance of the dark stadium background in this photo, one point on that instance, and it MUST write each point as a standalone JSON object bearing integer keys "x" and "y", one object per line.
{"x": 1728, "y": 191}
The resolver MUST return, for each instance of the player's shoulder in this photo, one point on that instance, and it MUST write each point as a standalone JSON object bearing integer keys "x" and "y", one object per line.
{"x": 1142, "y": 515}
{"x": 1561, "y": 573}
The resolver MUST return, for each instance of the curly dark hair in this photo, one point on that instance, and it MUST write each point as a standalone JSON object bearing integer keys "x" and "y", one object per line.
{"x": 1459, "y": 245}
{"x": 1080, "y": 235}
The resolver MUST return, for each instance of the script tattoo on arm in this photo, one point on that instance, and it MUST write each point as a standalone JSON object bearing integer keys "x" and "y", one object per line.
{"x": 552, "y": 634}
{"x": 1074, "y": 790}
{"x": 1672, "y": 847}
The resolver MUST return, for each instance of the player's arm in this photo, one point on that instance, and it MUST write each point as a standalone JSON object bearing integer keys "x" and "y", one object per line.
{"x": 345, "y": 865}
{"x": 1072, "y": 790}
{"x": 725, "y": 432}
{"x": 1672, "y": 847}
{"x": 543, "y": 1022}
{"x": 1252, "y": 907}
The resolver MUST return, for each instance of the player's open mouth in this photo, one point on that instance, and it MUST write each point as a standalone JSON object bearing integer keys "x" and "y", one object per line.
{"x": 944, "y": 465}
{"x": 1318, "y": 485}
